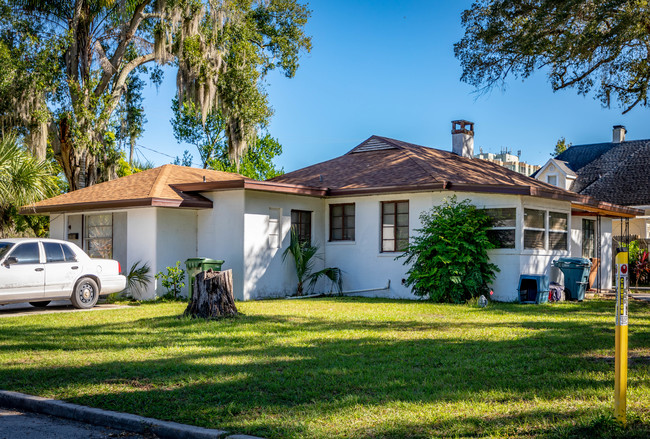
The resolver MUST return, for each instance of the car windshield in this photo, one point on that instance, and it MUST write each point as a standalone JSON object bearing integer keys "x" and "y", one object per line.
{"x": 4, "y": 248}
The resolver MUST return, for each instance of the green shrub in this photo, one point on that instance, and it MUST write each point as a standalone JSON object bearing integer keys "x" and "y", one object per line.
{"x": 173, "y": 281}
{"x": 449, "y": 255}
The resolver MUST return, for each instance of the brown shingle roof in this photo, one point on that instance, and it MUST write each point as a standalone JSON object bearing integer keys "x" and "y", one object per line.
{"x": 397, "y": 163}
{"x": 380, "y": 164}
{"x": 153, "y": 187}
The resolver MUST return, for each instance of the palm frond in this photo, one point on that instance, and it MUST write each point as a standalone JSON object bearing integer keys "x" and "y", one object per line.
{"x": 332, "y": 273}
{"x": 137, "y": 278}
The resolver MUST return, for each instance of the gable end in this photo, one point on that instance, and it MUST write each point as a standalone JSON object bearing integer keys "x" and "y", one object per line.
{"x": 373, "y": 144}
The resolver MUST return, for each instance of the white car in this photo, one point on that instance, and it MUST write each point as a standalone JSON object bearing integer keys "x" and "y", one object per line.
{"x": 38, "y": 271}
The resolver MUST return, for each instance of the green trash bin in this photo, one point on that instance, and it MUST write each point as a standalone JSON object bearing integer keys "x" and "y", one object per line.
{"x": 576, "y": 276}
{"x": 196, "y": 265}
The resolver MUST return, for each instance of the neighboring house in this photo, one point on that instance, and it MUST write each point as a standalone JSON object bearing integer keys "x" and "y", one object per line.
{"x": 508, "y": 160}
{"x": 361, "y": 208}
{"x": 616, "y": 172}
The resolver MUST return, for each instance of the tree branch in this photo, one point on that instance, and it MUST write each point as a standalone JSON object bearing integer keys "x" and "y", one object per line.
{"x": 116, "y": 59}
{"x": 118, "y": 87}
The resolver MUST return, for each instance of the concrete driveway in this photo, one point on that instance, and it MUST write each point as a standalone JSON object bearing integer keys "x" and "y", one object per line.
{"x": 25, "y": 309}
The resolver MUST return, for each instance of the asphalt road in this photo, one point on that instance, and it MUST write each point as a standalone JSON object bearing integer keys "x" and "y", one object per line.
{"x": 19, "y": 425}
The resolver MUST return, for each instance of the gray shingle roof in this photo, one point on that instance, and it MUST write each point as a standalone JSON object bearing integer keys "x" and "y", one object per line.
{"x": 614, "y": 172}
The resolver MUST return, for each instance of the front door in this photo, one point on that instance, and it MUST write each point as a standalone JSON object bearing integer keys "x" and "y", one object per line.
{"x": 24, "y": 279}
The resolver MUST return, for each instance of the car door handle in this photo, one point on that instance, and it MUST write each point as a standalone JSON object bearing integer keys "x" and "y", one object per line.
{"x": 75, "y": 267}
{"x": 39, "y": 269}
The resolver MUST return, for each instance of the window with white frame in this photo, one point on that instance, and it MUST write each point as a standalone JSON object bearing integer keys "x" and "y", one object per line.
{"x": 534, "y": 229}
{"x": 558, "y": 233}
{"x": 98, "y": 235}
{"x": 504, "y": 226}
{"x": 275, "y": 214}
{"x": 551, "y": 179}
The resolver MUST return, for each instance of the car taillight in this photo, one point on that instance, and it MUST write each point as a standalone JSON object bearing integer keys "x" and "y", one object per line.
{"x": 119, "y": 268}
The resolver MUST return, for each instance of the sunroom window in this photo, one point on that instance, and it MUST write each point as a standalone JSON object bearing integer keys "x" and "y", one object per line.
{"x": 504, "y": 225}
{"x": 558, "y": 233}
{"x": 534, "y": 229}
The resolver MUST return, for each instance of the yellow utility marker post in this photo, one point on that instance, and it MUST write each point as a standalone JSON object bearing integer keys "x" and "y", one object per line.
{"x": 620, "y": 385}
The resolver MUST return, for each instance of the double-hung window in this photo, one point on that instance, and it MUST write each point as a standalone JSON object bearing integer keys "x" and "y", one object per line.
{"x": 558, "y": 233}
{"x": 301, "y": 223}
{"x": 342, "y": 222}
{"x": 504, "y": 225}
{"x": 541, "y": 226}
{"x": 534, "y": 229}
{"x": 394, "y": 226}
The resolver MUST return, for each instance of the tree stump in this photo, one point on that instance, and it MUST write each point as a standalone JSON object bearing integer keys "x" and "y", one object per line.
{"x": 213, "y": 297}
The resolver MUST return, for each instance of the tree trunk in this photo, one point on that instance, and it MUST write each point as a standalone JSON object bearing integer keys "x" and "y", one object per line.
{"x": 213, "y": 297}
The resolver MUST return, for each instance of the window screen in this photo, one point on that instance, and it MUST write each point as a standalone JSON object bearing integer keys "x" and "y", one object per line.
{"x": 504, "y": 223}
{"x": 558, "y": 234}
{"x": 98, "y": 239}
{"x": 301, "y": 223}
{"x": 342, "y": 222}
{"x": 394, "y": 226}
{"x": 534, "y": 229}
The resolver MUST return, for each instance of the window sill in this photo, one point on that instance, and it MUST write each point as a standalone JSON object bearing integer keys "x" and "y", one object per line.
{"x": 341, "y": 242}
{"x": 389, "y": 254}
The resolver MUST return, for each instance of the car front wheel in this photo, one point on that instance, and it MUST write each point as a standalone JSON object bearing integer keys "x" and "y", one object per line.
{"x": 85, "y": 293}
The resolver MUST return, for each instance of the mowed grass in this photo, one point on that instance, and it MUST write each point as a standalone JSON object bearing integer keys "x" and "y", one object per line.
{"x": 343, "y": 368}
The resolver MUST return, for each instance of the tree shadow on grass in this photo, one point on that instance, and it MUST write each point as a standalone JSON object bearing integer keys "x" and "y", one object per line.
{"x": 279, "y": 375}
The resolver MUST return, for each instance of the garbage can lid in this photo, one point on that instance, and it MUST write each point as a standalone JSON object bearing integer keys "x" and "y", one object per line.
{"x": 212, "y": 261}
{"x": 194, "y": 262}
{"x": 572, "y": 262}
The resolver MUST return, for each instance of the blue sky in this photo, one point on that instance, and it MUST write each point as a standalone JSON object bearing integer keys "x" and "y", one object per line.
{"x": 387, "y": 68}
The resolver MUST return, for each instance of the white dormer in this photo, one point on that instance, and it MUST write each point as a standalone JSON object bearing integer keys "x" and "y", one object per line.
{"x": 557, "y": 173}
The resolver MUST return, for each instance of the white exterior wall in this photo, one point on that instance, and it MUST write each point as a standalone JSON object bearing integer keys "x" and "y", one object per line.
{"x": 365, "y": 266}
{"x": 58, "y": 226}
{"x": 141, "y": 245}
{"x": 220, "y": 234}
{"x": 265, "y": 274}
{"x": 176, "y": 232}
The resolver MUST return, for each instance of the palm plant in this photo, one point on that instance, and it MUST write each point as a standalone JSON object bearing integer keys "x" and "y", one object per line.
{"x": 24, "y": 179}
{"x": 137, "y": 279}
{"x": 304, "y": 254}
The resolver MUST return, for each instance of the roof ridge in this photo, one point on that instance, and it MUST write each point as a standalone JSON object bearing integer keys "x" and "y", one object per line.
{"x": 426, "y": 167}
{"x": 164, "y": 170}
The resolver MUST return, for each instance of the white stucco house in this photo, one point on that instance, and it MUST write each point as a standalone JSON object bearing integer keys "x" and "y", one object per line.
{"x": 360, "y": 208}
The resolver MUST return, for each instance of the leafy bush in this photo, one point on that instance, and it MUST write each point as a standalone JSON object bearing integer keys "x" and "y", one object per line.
{"x": 173, "y": 281}
{"x": 449, "y": 255}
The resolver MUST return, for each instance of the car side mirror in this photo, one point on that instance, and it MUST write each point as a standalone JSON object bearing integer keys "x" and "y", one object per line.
{"x": 10, "y": 261}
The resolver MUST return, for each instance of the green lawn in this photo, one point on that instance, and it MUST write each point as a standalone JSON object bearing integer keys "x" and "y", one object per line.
{"x": 343, "y": 368}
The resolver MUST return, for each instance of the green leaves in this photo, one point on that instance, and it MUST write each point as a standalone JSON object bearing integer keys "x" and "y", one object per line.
{"x": 303, "y": 254}
{"x": 172, "y": 281}
{"x": 594, "y": 45}
{"x": 449, "y": 255}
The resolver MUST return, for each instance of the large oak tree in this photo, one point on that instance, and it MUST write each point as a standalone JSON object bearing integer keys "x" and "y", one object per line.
{"x": 222, "y": 50}
{"x": 600, "y": 46}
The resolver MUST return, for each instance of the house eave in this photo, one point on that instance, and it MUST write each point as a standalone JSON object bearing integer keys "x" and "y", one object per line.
{"x": 196, "y": 202}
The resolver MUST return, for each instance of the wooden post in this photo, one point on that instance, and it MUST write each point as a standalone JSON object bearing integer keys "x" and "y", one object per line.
{"x": 213, "y": 296}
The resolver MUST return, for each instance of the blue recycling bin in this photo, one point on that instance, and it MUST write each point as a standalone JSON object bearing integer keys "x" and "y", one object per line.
{"x": 576, "y": 276}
